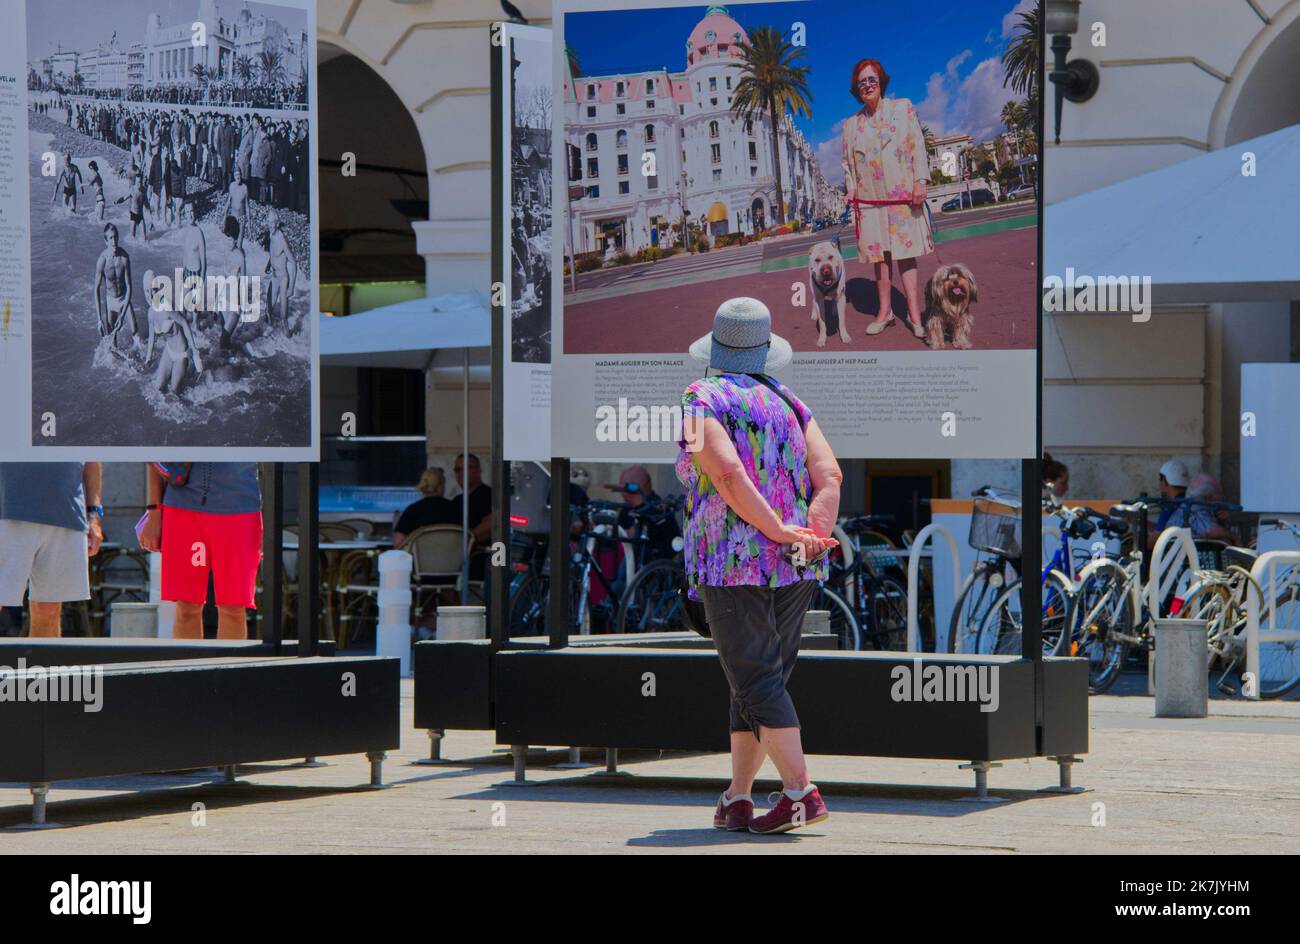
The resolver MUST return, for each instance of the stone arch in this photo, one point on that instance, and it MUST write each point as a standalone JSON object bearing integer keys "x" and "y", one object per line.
{"x": 1260, "y": 95}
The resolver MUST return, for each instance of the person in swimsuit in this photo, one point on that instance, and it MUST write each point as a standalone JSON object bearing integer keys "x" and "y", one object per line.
{"x": 194, "y": 258}
{"x": 233, "y": 314}
{"x": 177, "y": 345}
{"x": 112, "y": 284}
{"x": 237, "y": 208}
{"x": 139, "y": 199}
{"x": 284, "y": 272}
{"x": 66, "y": 184}
{"x": 97, "y": 184}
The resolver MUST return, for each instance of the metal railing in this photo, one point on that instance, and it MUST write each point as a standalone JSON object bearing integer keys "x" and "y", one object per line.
{"x": 1266, "y": 562}
{"x": 914, "y": 580}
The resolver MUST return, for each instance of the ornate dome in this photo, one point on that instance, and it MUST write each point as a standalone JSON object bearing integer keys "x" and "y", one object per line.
{"x": 717, "y": 30}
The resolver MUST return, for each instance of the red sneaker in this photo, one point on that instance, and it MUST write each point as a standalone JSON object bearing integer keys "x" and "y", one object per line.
{"x": 733, "y": 816}
{"x": 791, "y": 814}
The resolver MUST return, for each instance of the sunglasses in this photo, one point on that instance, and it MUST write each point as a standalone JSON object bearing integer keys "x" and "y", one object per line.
{"x": 868, "y": 82}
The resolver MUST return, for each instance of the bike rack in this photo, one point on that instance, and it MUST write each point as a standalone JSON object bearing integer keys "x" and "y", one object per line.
{"x": 1267, "y": 561}
{"x": 1157, "y": 587}
{"x": 913, "y": 581}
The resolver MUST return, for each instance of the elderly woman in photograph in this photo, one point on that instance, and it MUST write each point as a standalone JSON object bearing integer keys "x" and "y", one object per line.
{"x": 762, "y": 491}
{"x": 886, "y": 168}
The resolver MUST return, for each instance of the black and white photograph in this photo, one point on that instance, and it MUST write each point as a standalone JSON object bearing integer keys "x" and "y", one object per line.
{"x": 170, "y": 168}
{"x": 530, "y": 183}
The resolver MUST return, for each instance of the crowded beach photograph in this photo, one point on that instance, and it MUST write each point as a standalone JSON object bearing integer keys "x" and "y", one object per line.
{"x": 171, "y": 231}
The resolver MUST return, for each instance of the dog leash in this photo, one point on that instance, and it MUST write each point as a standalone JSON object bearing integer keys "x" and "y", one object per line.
{"x": 857, "y": 219}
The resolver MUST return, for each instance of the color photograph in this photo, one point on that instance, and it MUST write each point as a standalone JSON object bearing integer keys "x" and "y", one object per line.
{"x": 874, "y": 187}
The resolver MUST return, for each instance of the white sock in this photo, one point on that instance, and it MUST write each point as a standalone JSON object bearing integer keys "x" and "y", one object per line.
{"x": 800, "y": 794}
{"x": 728, "y": 800}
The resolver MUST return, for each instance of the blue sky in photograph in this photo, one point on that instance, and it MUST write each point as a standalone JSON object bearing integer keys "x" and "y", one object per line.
{"x": 944, "y": 56}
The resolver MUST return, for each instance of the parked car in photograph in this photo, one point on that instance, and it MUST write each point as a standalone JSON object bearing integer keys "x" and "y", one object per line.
{"x": 966, "y": 201}
{"x": 1023, "y": 192}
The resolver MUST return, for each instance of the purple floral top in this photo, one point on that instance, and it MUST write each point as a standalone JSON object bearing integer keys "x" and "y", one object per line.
{"x": 722, "y": 549}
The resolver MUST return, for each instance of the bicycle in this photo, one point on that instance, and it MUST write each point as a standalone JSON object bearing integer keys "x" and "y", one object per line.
{"x": 1219, "y": 597}
{"x": 651, "y": 603}
{"x": 1111, "y": 614}
{"x": 1001, "y": 630}
{"x": 859, "y": 575}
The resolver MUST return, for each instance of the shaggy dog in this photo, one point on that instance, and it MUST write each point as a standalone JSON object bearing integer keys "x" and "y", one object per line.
{"x": 948, "y": 297}
{"x": 826, "y": 276}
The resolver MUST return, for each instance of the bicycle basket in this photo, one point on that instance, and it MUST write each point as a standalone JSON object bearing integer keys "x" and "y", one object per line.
{"x": 1244, "y": 557}
{"x": 995, "y": 528}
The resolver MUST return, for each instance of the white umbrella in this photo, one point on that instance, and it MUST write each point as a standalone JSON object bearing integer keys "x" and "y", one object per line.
{"x": 1201, "y": 229}
{"x": 411, "y": 335}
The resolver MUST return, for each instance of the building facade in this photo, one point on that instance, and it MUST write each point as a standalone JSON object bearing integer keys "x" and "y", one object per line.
{"x": 653, "y": 149}
{"x": 170, "y": 52}
{"x": 1121, "y": 398}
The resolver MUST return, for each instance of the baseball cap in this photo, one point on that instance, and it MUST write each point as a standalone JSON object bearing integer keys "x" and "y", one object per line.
{"x": 1175, "y": 473}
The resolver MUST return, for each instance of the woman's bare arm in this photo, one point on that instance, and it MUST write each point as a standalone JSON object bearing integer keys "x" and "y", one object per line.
{"x": 826, "y": 478}
{"x": 718, "y": 459}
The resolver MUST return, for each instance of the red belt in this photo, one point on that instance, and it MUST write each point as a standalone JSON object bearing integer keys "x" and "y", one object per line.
{"x": 857, "y": 222}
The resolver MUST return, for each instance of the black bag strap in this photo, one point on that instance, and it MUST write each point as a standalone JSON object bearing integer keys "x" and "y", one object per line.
{"x": 770, "y": 384}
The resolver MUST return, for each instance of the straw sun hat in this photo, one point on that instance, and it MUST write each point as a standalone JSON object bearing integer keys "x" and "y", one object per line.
{"x": 742, "y": 341}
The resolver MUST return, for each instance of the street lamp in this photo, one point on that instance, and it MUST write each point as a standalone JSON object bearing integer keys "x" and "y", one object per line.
{"x": 685, "y": 182}
{"x": 1078, "y": 79}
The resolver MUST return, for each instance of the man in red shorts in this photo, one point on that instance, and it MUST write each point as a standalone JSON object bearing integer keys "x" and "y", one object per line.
{"x": 211, "y": 524}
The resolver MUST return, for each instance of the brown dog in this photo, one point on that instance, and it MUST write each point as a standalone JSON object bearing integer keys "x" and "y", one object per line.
{"x": 826, "y": 276}
{"x": 948, "y": 297}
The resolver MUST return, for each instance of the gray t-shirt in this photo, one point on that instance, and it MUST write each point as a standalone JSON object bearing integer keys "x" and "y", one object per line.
{"x": 44, "y": 493}
{"x": 218, "y": 488}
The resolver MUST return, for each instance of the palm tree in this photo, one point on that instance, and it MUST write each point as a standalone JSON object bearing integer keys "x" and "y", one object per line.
{"x": 575, "y": 66}
{"x": 771, "y": 84}
{"x": 1023, "y": 55}
{"x": 244, "y": 68}
{"x": 1013, "y": 115}
{"x": 271, "y": 65}
{"x": 200, "y": 73}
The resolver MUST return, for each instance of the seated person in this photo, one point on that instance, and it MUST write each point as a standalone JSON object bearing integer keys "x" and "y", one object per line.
{"x": 432, "y": 509}
{"x": 640, "y": 496}
{"x": 1183, "y": 509}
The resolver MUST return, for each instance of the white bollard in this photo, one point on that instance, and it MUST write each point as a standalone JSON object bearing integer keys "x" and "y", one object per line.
{"x": 166, "y": 611}
{"x": 817, "y": 623}
{"x": 393, "y": 635}
{"x": 462, "y": 622}
{"x": 136, "y": 620}
{"x": 1182, "y": 668}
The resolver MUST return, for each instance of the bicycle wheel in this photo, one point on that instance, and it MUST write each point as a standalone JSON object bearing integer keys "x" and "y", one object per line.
{"x": 1213, "y": 603}
{"x": 1102, "y": 608}
{"x": 1279, "y": 662}
{"x": 977, "y": 597}
{"x": 1002, "y": 630}
{"x": 886, "y": 611}
{"x": 651, "y": 604}
{"x": 528, "y": 606}
{"x": 844, "y": 624}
